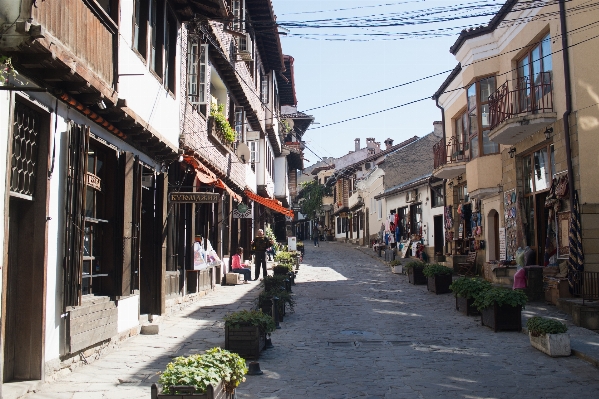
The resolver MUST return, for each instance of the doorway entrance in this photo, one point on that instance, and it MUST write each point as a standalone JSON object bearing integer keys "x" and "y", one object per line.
{"x": 438, "y": 234}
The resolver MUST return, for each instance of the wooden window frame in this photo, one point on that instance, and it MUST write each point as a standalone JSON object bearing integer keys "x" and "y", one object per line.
{"x": 141, "y": 14}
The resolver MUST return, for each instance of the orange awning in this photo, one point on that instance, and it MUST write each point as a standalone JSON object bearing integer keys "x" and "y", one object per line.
{"x": 206, "y": 176}
{"x": 220, "y": 184}
{"x": 270, "y": 203}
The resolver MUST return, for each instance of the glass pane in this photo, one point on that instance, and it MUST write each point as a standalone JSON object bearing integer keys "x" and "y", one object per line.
{"x": 529, "y": 215}
{"x": 465, "y": 128}
{"x": 484, "y": 115}
{"x": 542, "y": 179}
{"x": 90, "y": 203}
{"x": 546, "y": 53}
{"x": 487, "y": 87}
{"x": 86, "y": 281}
{"x": 99, "y": 164}
{"x": 473, "y": 123}
{"x": 472, "y": 96}
{"x": 474, "y": 148}
{"x": 489, "y": 147}
{"x": 536, "y": 65}
{"x": 527, "y": 173}
{"x": 458, "y": 130}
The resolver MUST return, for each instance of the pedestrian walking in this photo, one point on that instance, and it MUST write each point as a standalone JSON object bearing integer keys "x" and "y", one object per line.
{"x": 315, "y": 236}
{"x": 259, "y": 246}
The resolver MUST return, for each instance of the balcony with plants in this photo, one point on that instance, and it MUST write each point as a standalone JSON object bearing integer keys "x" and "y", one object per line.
{"x": 521, "y": 107}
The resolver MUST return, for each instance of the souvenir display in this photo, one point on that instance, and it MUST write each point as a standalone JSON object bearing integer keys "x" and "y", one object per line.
{"x": 509, "y": 206}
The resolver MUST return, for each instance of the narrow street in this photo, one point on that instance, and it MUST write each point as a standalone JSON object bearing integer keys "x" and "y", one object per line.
{"x": 358, "y": 331}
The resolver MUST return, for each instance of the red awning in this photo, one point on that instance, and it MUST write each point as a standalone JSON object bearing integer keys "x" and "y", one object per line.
{"x": 269, "y": 203}
{"x": 206, "y": 176}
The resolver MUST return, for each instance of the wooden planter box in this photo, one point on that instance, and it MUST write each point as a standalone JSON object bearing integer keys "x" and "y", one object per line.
{"x": 245, "y": 341}
{"x": 439, "y": 284}
{"x": 554, "y": 345}
{"x": 416, "y": 277}
{"x": 502, "y": 318}
{"x": 466, "y": 306}
{"x": 216, "y": 392}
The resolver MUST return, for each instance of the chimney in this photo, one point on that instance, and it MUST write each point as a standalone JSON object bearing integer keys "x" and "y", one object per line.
{"x": 438, "y": 128}
{"x": 357, "y": 141}
{"x": 388, "y": 143}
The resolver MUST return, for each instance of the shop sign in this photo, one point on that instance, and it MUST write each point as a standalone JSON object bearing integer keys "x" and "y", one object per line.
{"x": 93, "y": 181}
{"x": 194, "y": 198}
{"x": 242, "y": 215}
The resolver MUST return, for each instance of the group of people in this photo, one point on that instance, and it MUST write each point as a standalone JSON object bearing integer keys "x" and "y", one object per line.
{"x": 320, "y": 233}
{"x": 260, "y": 246}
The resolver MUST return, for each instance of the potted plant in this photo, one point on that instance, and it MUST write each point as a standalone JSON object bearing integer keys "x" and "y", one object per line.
{"x": 245, "y": 332}
{"x": 438, "y": 278}
{"x": 415, "y": 275}
{"x": 274, "y": 282}
{"x": 396, "y": 266}
{"x": 466, "y": 289}
{"x": 212, "y": 375}
{"x": 285, "y": 299}
{"x": 549, "y": 336}
{"x": 501, "y": 308}
{"x": 282, "y": 269}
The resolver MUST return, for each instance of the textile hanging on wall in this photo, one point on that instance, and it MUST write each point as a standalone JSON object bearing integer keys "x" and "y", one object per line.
{"x": 510, "y": 212}
{"x": 576, "y": 260}
{"x": 553, "y": 204}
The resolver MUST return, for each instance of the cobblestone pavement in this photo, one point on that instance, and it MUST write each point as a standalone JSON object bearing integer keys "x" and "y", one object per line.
{"x": 358, "y": 332}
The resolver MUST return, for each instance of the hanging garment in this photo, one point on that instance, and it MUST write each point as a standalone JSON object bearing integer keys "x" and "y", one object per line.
{"x": 397, "y": 233}
{"x": 397, "y": 219}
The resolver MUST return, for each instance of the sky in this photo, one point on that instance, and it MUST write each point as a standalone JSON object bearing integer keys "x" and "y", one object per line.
{"x": 328, "y": 71}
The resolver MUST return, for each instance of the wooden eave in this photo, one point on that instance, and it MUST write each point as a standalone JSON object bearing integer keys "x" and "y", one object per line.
{"x": 187, "y": 10}
{"x": 272, "y": 137}
{"x": 286, "y": 83}
{"x": 263, "y": 22}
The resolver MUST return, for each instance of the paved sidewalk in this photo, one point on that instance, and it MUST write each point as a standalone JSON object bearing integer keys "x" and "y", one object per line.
{"x": 359, "y": 331}
{"x": 584, "y": 343}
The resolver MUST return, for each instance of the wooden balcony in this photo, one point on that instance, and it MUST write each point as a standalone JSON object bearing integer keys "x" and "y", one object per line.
{"x": 521, "y": 107}
{"x": 450, "y": 158}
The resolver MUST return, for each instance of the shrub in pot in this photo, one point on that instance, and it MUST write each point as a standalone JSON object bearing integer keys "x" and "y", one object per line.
{"x": 501, "y": 309}
{"x": 438, "y": 278}
{"x": 396, "y": 266}
{"x": 274, "y": 282}
{"x": 245, "y": 332}
{"x": 549, "y": 336}
{"x": 215, "y": 371}
{"x": 285, "y": 299}
{"x": 282, "y": 269}
{"x": 415, "y": 275}
{"x": 466, "y": 290}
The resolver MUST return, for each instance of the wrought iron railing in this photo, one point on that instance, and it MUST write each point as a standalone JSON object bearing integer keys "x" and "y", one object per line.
{"x": 520, "y": 97}
{"x": 450, "y": 151}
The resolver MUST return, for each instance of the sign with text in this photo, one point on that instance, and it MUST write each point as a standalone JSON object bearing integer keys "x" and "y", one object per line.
{"x": 502, "y": 254}
{"x": 194, "y": 198}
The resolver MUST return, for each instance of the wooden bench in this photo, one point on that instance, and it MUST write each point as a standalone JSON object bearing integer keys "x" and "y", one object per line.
{"x": 468, "y": 268}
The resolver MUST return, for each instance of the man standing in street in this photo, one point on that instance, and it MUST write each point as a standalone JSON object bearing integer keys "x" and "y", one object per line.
{"x": 259, "y": 247}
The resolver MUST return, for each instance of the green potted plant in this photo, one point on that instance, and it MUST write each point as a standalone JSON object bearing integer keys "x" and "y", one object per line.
{"x": 501, "y": 308}
{"x": 245, "y": 332}
{"x": 282, "y": 269}
{"x": 285, "y": 299}
{"x": 214, "y": 374}
{"x": 466, "y": 289}
{"x": 222, "y": 124}
{"x": 415, "y": 275}
{"x": 549, "y": 336}
{"x": 274, "y": 282}
{"x": 438, "y": 278}
{"x": 396, "y": 266}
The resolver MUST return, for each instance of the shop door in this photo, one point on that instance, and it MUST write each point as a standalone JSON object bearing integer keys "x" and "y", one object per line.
{"x": 438, "y": 232}
{"x": 542, "y": 214}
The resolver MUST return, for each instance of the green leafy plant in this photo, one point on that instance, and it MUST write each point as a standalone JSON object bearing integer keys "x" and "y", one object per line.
{"x": 538, "y": 326}
{"x": 285, "y": 298}
{"x": 395, "y": 262}
{"x": 282, "y": 268}
{"x": 244, "y": 318}
{"x": 500, "y": 297}
{"x": 285, "y": 126}
{"x": 310, "y": 197}
{"x": 436, "y": 270}
{"x": 467, "y": 287}
{"x": 222, "y": 124}
{"x": 284, "y": 257}
{"x": 271, "y": 282}
{"x": 200, "y": 371}
{"x": 415, "y": 264}
{"x": 271, "y": 236}
{"x": 6, "y": 70}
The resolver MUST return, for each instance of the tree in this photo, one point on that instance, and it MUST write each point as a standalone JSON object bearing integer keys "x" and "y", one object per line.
{"x": 310, "y": 197}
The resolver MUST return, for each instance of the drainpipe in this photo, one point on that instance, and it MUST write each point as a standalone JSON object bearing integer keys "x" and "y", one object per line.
{"x": 566, "y": 118}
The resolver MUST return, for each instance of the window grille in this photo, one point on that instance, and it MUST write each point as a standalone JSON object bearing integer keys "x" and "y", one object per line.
{"x": 24, "y": 150}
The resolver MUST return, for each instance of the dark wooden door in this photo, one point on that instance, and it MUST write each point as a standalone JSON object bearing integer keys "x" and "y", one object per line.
{"x": 438, "y": 234}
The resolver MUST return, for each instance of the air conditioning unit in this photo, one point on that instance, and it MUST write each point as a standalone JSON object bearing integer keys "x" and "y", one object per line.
{"x": 244, "y": 47}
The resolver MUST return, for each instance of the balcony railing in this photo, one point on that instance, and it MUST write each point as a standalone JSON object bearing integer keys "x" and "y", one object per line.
{"x": 449, "y": 152}
{"x": 521, "y": 97}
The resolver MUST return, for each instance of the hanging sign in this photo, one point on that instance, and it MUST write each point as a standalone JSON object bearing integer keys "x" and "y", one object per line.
{"x": 194, "y": 198}
{"x": 93, "y": 181}
{"x": 242, "y": 215}
{"x": 502, "y": 247}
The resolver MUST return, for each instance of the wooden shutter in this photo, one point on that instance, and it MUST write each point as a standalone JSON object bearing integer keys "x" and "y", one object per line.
{"x": 78, "y": 147}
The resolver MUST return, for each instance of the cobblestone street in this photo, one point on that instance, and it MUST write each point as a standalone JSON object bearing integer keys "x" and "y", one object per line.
{"x": 358, "y": 331}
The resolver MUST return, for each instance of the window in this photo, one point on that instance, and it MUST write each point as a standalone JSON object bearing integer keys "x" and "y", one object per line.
{"x": 254, "y": 151}
{"x": 461, "y": 134}
{"x": 239, "y": 123}
{"x": 403, "y": 222}
{"x": 238, "y": 10}
{"x": 437, "y": 196}
{"x": 535, "y": 76}
{"x": 170, "y": 52}
{"x": 264, "y": 88}
{"x": 380, "y": 209}
{"x": 140, "y": 26}
{"x": 416, "y": 219}
{"x": 462, "y": 193}
{"x": 156, "y": 35}
{"x": 197, "y": 66}
{"x": 478, "y": 117}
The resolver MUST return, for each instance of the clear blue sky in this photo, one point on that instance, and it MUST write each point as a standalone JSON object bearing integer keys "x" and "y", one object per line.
{"x": 328, "y": 71}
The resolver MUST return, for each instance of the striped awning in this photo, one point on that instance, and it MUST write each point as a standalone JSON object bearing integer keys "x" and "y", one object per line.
{"x": 269, "y": 203}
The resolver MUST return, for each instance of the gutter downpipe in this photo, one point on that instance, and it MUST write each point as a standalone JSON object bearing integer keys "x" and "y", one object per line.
{"x": 566, "y": 117}
{"x": 436, "y": 98}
